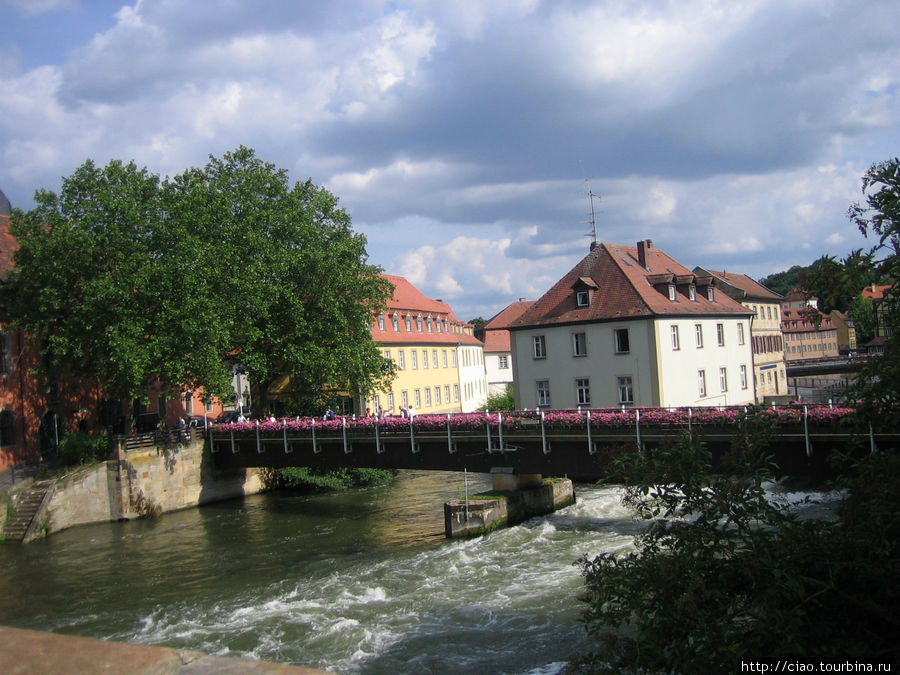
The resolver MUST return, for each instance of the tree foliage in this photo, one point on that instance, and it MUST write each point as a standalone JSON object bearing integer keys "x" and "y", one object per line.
{"x": 132, "y": 280}
{"x": 504, "y": 401}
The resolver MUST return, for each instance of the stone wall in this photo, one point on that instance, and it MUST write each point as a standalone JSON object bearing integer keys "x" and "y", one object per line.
{"x": 146, "y": 481}
{"x": 486, "y": 513}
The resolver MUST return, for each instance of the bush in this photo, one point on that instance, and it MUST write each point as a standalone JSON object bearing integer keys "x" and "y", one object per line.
{"x": 310, "y": 479}
{"x": 75, "y": 449}
{"x": 722, "y": 575}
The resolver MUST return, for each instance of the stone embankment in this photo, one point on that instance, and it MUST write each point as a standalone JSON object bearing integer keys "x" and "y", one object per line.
{"x": 146, "y": 478}
{"x": 26, "y": 651}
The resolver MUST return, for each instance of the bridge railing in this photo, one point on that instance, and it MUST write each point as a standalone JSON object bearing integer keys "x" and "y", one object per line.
{"x": 601, "y": 418}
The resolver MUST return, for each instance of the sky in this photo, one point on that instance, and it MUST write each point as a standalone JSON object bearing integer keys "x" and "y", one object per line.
{"x": 465, "y": 138}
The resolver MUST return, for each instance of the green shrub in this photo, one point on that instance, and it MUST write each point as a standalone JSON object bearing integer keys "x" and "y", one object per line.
{"x": 306, "y": 478}
{"x": 75, "y": 449}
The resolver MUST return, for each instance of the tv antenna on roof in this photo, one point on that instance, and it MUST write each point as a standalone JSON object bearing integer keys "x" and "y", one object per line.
{"x": 593, "y": 233}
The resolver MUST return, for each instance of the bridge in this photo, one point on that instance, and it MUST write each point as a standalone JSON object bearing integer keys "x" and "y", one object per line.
{"x": 828, "y": 365}
{"x": 576, "y": 444}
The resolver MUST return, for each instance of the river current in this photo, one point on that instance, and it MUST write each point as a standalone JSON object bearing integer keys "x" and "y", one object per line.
{"x": 355, "y": 582}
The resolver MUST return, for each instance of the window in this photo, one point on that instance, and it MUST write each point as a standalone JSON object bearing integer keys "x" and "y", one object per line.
{"x": 415, "y": 359}
{"x": 583, "y": 391}
{"x": 540, "y": 347}
{"x": 425, "y": 359}
{"x": 503, "y": 362}
{"x": 7, "y": 427}
{"x": 417, "y": 397}
{"x": 626, "y": 390}
{"x": 434, "y": 358}
{"x": 579, "y": 344}
{"x": 395, "y": 320}
{"x": 387, "y": 354}
{"x": 404, "y": 399}
{"x": 676, "y": 341}
{"x": 444, "y": 357}
{"x": 189, "y": 402}
{"x": 543, "y": 392}
{"x": 740, "y": 333}
{"x": 439, "y": 326}
{"x": 409, "y": 324}
{"x": 453, "y": 358}
{"x": 447, "y": 393}
{"x": 743, "y": 377}
{"x": 692, "y": 293}
{"x": 723, "y": 379}
{"x": 672, "y": 292}
{"x": 622, "y": 345}
{"x": 456, "y": 393}
{"x": 428, "y": 396}
{"x": 710, "y": 294}
{"x": 720, "y": 334}
{"x": 5, "y": 363}
{"x": 698, "y": 334}
{"x": 437, "y": 395}
{"x": 701, "y": 382}
{"x": 430, "y": 325}
{"x": 401, "y": 360}
{"x": 390, "y": 402}
{"x": 769, "y": 311}
{"x": 581, "y": 298}
{"x": 419, "y": 323}
{"x": 381, "y": 322}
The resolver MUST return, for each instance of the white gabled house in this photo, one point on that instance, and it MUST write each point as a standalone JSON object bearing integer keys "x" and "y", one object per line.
{"x": 628, "y": 325}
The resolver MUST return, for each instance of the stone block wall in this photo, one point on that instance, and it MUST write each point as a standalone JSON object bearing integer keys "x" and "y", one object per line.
{"x": 145, "y": 482}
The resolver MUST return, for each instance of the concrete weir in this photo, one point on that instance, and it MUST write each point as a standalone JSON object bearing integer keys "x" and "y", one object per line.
{"x": 513, "y": 499}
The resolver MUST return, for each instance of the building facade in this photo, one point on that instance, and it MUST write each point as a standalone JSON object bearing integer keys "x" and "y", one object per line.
{"x": 497, "y": 350}
{"x": 439, "y": 363}
{"x": 630, "y": 326}
{"x": 766, "y": 338}
{"x": 808, "y": 333}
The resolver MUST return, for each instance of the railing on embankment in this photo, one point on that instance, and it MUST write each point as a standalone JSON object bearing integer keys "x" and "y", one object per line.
{"x": 579, "y": 444}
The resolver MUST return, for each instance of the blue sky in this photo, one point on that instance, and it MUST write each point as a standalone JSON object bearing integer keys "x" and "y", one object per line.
{"x": 463, "y": 137}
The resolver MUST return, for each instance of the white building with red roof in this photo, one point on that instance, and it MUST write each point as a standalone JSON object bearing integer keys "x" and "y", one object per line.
{"x": 766, "y": 338}
{"x": 497, "y": 350}
{"x": 439, "y": 362}
{"x": 630, "y": 326}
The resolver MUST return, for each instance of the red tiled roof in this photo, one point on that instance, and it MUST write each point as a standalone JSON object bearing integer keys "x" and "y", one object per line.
{"x": 751, "y": 288}
{"x": 8, "y": 246}
{"x": 874, "y": 292}
{"x": 625, "y": 290}
{"x": 407, "y": 300}
{"x": 496, "y": 335}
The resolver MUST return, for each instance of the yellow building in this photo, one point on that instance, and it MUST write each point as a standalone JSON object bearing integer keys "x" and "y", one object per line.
{"x": 439, "y": 362}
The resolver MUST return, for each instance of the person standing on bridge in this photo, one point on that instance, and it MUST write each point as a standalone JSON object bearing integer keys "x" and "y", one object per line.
{"x": 329, "y": 414}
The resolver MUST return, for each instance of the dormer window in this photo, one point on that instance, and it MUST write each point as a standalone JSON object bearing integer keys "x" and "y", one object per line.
{"x": 381, "y": 322}
{"x": 692, "y": 293}
{"x": 583, "y": 288}
{"x": 672, "y": 292}
{"x": 395, "y": 320}
{"x": 710, "y": 293}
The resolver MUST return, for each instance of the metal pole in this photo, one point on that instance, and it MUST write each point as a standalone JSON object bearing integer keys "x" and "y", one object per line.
{"x": 806, "y": 430}
{"x": 544, "y": 435}
{"x": 500, "y": 429}
{"x": 591, "y": 450}
{"x": 637, "y": 426}
{"x": 466, "y": 482}
{"x": 449, "y": 436}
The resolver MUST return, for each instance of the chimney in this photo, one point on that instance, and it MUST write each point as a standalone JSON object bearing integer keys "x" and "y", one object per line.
{"x": 642, "y": 248}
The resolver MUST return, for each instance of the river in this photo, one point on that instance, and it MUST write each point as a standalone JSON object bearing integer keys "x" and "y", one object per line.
{"x": 356, "y": 582}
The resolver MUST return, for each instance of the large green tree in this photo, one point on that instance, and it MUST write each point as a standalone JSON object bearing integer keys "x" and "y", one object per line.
{"x": 134, "y": 280}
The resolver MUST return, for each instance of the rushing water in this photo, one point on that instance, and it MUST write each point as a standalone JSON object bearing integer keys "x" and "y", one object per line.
{"x": 362, "y": 581}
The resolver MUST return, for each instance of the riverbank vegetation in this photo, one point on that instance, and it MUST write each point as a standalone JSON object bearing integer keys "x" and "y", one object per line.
{"x": 308, "y": 479}
{"x": 725, "y": 574}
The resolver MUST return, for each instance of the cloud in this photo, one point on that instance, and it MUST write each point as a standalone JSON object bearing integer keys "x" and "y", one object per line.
{"x": 459, "y": 136}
